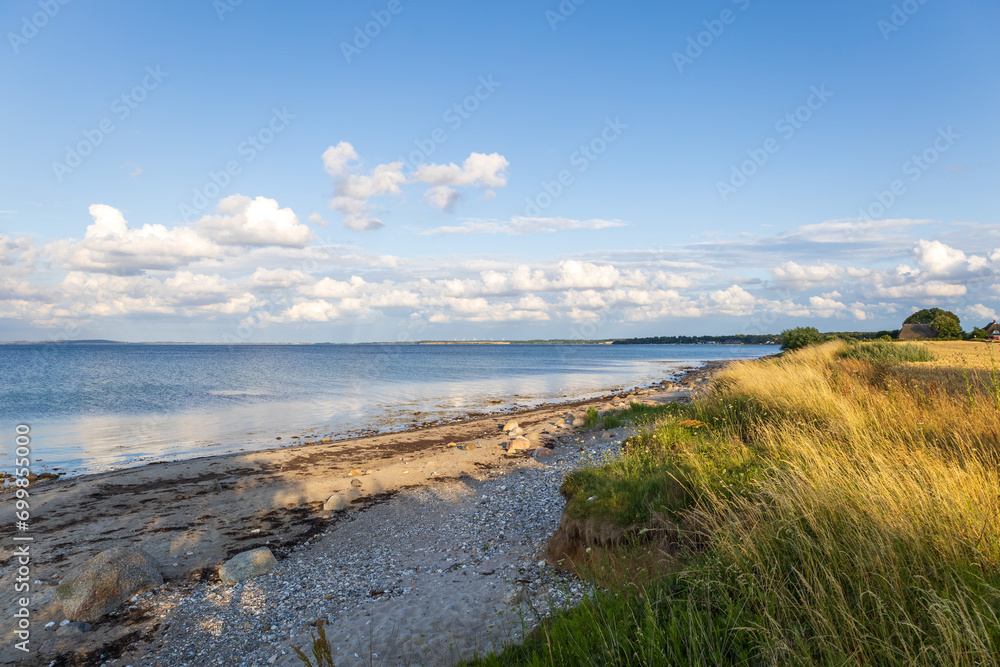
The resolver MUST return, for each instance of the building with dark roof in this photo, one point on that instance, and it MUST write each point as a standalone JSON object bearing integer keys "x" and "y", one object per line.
{"x": 916, "y": 332}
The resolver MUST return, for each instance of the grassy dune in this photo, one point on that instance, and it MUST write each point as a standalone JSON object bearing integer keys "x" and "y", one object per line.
{"x": 835, "y": 506}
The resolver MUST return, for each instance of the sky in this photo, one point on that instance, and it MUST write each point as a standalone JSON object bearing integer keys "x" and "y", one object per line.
{"x": 398, "y": 170}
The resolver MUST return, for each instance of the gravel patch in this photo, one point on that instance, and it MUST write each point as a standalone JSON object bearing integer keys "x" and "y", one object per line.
{"x": 428, "y": 576}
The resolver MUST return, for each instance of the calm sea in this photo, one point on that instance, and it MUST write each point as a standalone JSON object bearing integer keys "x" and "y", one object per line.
{"x": 100, "y": 407}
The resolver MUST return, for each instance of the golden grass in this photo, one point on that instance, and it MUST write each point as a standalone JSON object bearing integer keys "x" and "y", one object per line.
{"x": 845, "y": 513}
{"x": 876, "y": 534}
{"x": 960, "y": 354}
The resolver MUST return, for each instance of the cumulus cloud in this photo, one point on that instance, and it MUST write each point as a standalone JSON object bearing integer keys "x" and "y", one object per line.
{"x": 354, "y": 190}
{"x": 336, "y": 159}
{"x": 521, "y": 226}
{"x": 442, "y": 197}
{"x": 940, "y": 260}
{"x": 798, "y": 277}
{"x": 478, "y": 169}
{"x": 110, "y": 245}
{"x": 317, "y": 219}
{"x": 732, "y": 301}
{"x": 254, "y": 222}
{"x": 982, "y": 313}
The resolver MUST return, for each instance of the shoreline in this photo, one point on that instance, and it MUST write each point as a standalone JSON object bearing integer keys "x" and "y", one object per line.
{"x": 193, "y": 514}
{"x": 297, "y": 436}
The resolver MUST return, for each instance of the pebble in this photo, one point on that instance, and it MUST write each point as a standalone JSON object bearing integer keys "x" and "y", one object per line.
{"x": 486, "y": 533}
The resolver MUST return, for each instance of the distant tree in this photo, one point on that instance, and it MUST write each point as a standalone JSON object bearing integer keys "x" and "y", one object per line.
{"x": 884, "y": 338}
{"x": 947, "y": 326}
{"x": 944, "y": 322}
{"x": 978, "y": 333}
{"x": 793, "y": 339}
{"x": 927, "y": 316}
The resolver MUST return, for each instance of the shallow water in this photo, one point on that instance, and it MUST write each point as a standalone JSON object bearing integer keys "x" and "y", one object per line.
{"x": 100, "y": 407}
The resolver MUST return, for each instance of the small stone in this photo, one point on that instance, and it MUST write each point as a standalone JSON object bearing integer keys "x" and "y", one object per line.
{"x": 452, "y": 444}
{"x": 355, "y": 473}
{"x": 542, "y": 452}
{"x": 579, "y": 421}
{"x": 510, "y": 426}
{"x": 607, "y": 435}
{"x": 335, "y": 503}
{"x": 356, "y": 483}
{"x": 468, "y": 446}
{"x": 247, "y": 565}
{"x": 326, "y": 441}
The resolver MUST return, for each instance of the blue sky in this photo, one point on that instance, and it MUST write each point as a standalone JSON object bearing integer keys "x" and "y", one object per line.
{"x": 726, "y": 167}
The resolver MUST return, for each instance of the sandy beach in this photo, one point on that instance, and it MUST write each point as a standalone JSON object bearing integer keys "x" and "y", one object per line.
{"x": 438, "y": 553}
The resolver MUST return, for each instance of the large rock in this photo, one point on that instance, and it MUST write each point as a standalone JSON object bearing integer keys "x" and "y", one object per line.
{"x": 103, "y": 583}
{"x": 510, "y": 426}
{"x": 247, "y": 565}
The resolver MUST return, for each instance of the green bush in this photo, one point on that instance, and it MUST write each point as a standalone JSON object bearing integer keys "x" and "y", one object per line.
{"x": 793, "y": 339}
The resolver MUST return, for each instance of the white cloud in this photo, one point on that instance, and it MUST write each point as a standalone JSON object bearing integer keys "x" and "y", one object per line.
{"x": 941, "y": 260}
{"x": 311, "y": 311}
{"x": 520, "y": 226}
{"x": 317, "y": 219}
{"x": 478, "y": 169}
{"x": 110, "y": 245}
{"x": 336, "y": 159}
{"x": 283, "y": 278}
{"x": 353, "y": 191}
{"x": 732, "y": 301}
{"x": 255, "y": 222}
{"x": 825, "y": 307}
{"x": 984, "y": 314}
{"x": 933, "y": 288}
{"x": 442, "y": 197}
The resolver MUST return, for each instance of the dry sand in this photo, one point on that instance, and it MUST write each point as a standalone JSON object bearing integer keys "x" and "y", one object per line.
{"x": 192, "y": 515}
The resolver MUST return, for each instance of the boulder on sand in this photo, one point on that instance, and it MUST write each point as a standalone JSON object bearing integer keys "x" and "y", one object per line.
{"x": 247, "y": 565}
{"x": 520, "y": 443}
{"x": 103, "y": 583}
{"x": 510, "y": 426}
{"x": 335, "y": 503}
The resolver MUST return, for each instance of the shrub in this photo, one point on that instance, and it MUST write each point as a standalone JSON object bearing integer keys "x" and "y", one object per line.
{"x": 793, "y": 339}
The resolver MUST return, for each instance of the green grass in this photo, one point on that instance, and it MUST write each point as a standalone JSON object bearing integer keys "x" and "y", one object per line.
{"x": 886, "y": 353}
{"x": 844, "y": 515}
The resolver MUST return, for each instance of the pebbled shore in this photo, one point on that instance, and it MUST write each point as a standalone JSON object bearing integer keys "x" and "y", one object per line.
{"x": 438, "y": 555}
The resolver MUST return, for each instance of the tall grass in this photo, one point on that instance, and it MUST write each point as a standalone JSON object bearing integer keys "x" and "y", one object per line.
{"x": 835, "y": 510}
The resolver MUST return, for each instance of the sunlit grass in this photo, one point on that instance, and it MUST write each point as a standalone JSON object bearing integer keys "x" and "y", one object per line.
{"x": 836, "y": 511}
